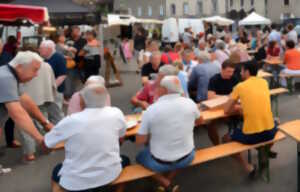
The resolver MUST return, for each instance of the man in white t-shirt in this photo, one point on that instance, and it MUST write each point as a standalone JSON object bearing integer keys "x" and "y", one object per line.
{"x": 168, "y": 126}
{"x": 91, "y": 138}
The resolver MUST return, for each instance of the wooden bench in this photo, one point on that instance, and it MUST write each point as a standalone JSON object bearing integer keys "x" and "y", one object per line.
{"x": 289, "y": 78}
{"x": 274, "y": 98}
{"x": 292, "y": 129}
{"x": 135, "y": 172}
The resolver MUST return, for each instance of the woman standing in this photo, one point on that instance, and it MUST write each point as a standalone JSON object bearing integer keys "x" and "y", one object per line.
{"x": 91, "y": 54}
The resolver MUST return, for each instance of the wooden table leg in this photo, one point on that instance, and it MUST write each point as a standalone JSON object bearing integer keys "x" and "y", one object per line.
{"x": 298, "y": 165}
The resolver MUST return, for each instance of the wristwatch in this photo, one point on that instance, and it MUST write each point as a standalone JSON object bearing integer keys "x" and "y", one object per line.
{"x": 46, "y": 123}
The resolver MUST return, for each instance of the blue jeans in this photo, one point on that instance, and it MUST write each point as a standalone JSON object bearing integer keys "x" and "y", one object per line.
{"x": 146, "y": 159}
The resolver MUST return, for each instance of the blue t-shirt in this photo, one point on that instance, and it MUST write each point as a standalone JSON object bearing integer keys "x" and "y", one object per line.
{"x": 58, "y": 64}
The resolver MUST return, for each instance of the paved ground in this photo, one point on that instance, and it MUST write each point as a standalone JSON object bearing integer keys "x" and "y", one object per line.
{"x": 220, "y": 175}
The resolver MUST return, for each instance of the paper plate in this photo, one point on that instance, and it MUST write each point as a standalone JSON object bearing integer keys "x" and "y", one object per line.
{"x": 131, "y": 124}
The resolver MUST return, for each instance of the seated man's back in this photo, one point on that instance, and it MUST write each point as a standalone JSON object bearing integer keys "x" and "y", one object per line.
{"x": 170, "y": 122}
{"x": 254, "y": 96}
{"x": 91, "y": 139}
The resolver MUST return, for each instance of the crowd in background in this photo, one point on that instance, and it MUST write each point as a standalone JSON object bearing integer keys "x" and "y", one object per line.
{"x": 175, "y": 79}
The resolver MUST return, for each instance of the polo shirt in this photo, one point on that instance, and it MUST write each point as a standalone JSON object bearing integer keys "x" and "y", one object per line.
{"x": 171, "y": 129}
{"x": 254, "y": 96}
{"x": 222, "y": 86}
{"x": 148, "y": 71}
{"x": 200, "y": 77}
{"x": 147, "y": 93}
{"x": 10, "y": 92}
{"x": 92, "y": 150}
{"x": 292, "y": 59}
{"x": 293, "y": 36}
{"x": 58, "y": 64}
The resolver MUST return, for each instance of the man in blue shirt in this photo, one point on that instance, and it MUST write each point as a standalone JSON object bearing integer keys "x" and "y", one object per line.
{"x": 201, "y": 75}
{"x": 58, "y": 64}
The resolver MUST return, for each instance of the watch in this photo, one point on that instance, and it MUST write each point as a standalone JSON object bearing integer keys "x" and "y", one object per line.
{"x": 46, "y": 123}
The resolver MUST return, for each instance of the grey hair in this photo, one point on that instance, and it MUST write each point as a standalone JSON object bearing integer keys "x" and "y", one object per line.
{"x": 204, "y": 56}
{"x": 48, "y": 44}
{"x": 172, "y": 84}
{"x": 25, "y": 58}
{"x": 168, "y": 70}
{"x": 94, "y": 96}
{"x": 220, "y": 44}
{"x": 95, "y": 79}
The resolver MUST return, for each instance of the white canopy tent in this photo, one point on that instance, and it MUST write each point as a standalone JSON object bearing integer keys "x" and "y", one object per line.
{"x": 196, "y": 25}
{"x": 219, "y": 20}
{"x": 255, "y": 19}
{"x": 127, "y": 20}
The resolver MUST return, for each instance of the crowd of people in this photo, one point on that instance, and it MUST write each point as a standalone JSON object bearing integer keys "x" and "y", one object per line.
{"x": 174, "y": 82}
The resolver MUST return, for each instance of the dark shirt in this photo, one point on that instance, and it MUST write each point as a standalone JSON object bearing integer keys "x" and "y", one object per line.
{"x": 5, "y": 58}
{"x": 147, "y": 70}
{"x": 222, "y": 86}
{"x": 58, "y": 64}
{"x": 139, "y": 42}
{"x": 78, "y": 45}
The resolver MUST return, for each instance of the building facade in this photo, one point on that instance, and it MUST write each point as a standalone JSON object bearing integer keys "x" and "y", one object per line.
{"x": 161, "y": 9}
{"x": 283, "y": 9}
{"x": 276, "y": 10}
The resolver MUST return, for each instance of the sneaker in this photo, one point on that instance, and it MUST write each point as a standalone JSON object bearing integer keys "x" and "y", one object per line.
{"x": 15, "y": 144}
{"x": 272, "y": 154}
{"x": 172, "y": 188}
{"x": 252, "y": 174}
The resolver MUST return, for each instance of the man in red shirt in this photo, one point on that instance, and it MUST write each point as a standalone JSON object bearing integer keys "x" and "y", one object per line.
{"x": 147, "y": 95}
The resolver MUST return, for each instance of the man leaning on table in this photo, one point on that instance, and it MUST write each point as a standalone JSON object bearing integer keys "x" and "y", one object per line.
{"x": 167, "y": 126}
{"x": 91, "y": 137}
{"x": 254, "y": 96}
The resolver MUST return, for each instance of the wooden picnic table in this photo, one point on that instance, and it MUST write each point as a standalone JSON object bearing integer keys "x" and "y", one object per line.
{"x": 273, "y": 61}
{"x": 264, "y": 74}
{"x": 251, "y": 52}
{"x": 208, "y": 115}
{"x": 292, "y": 129}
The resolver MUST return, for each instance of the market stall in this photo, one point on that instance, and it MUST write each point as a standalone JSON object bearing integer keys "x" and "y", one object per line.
{"x": 255, "y": 19}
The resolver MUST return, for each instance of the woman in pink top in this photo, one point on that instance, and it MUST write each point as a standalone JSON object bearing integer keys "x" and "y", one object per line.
{"x": 74, "y": 103}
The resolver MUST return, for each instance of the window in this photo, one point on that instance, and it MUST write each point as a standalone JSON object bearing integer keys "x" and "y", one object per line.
{"x": 231, "y": 3}
{"x": 252, "y": 3}
{"x": 242, "y": 3}
{"x": 129, "y": 11}
{"x": 200, "y": 7}
{"x": 286, "y": 2}
{"x": 215, "y": 6}
{"x": 161, "y": 11}
{"x": 185, "y": 8}
{"x": 173, "y": 9}
{"x": 149, "y": 11}
{"x": 139, "y": 11}
{"x": 266, "y": 7}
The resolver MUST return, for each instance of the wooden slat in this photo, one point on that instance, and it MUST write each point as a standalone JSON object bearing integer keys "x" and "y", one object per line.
{"x": 273, "y": 61}
{"x": 292, "y": 129}
{"x": 278, "y": 91}
{"x": 283, "y": 75}
{"x": 217, "y": 102}
{"x": 263, "y": 74}
{"x": 135, "y": 172}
